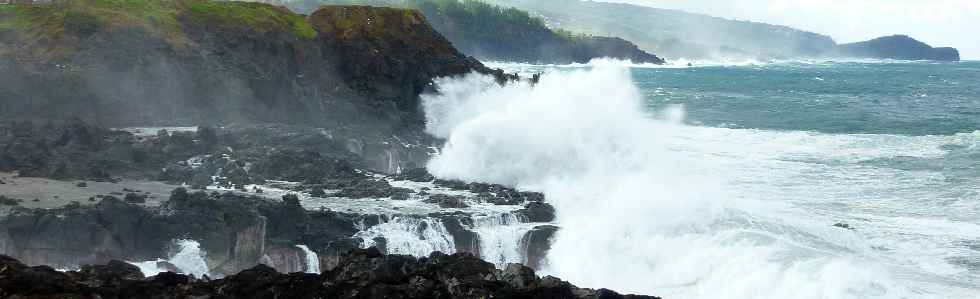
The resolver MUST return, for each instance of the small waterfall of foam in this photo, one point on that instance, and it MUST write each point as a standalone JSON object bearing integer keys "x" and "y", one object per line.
{"x": 312, "y": 260}
{"x": 189, "y": 259}
{"x": 410, "y": 235}
{"x": 500, "y": 238}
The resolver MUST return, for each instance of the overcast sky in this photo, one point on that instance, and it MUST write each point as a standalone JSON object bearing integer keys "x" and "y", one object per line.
{"x": 953, "y": 23}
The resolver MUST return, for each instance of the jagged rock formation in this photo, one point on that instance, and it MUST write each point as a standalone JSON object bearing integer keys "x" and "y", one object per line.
{"x": 359, "y": 274}
{"x": 196, "y": 62}
{"x": 900, "y": 47}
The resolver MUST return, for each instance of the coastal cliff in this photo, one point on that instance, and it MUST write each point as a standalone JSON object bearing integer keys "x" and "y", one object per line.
{"x": 356, "y": 72}
{"x": 196, "y": 62}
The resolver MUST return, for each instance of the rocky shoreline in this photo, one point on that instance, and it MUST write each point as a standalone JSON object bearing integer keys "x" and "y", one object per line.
{"x": 298, "y": 143}
{"x": 250, "y": 200}
{"x": 362, "y": 273}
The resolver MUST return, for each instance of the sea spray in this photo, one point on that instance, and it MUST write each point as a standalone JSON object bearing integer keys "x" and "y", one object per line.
{"x": 312, "y": 264}
{"x": 189, "y": 259}
{"x": 636, "y": 214}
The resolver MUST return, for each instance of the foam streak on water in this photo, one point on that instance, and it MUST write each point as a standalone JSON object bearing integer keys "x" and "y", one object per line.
{"x": 656, "y": 207}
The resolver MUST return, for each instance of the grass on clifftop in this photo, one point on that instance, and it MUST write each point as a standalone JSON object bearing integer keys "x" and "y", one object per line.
{"x": 258, "y": 16}
{"x": 52, "y": 21}
{"x": 355, "y": 21}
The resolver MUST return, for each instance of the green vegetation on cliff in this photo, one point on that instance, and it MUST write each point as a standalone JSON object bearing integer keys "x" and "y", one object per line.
{"x": 496, "y": 33}
{"x": 51, "y": 22}
{"x": 260, "y": 17}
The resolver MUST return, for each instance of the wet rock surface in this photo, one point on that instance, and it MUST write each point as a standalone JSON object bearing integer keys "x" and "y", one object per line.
{"x": 362, "y": 273}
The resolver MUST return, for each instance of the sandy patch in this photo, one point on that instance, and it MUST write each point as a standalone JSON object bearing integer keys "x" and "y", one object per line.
{"x": 50, "y": 193}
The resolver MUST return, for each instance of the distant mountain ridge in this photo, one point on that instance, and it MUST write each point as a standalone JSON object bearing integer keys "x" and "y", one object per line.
{"x": 679, "y": 34}
{"x": 676, "y": 34}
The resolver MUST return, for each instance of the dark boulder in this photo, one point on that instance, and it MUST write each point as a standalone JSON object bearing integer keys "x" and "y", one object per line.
{"x": 447, "y": 201}
{"x": 113, "y": 273}
{"x": 135, "y": 198}
{"x": 416, "y": 175}
{"x": 366, "y": 188}
{"x": 538, "y": 212}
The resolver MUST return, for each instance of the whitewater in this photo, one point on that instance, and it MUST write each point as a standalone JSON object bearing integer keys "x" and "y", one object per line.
{"x": 791, "y": 180}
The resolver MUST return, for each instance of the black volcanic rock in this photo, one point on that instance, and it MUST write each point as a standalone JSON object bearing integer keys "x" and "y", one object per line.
{"x": 900, "y": 47}
{"x": 537, "y": 243}
{"x": 538, "y": 212}
{"x": 416, "y": 175}
{"x": 362, "y": 273}
{"x": 447, "y": 201}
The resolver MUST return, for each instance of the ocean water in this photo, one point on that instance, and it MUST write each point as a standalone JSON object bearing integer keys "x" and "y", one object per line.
{"x": 727, "y": 180}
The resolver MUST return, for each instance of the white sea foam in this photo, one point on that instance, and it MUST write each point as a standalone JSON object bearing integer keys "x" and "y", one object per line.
{"x": 189, "y": 259}
{"x": 656, "y": 207}
{"x": 500, "y": 237}
{"x": 418, "y": 236}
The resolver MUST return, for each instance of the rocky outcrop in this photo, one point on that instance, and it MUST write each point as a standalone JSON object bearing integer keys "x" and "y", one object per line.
{"x": 901, "y": 47}
{"x": 360, "y": 274}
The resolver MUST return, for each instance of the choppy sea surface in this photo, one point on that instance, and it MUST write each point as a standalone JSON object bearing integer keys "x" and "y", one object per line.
{"x": 793, "y": 179}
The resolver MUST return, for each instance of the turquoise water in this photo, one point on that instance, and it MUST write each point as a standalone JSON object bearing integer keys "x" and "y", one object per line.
{"x": 726, "y": 180}
{"x": 917, "y": 98}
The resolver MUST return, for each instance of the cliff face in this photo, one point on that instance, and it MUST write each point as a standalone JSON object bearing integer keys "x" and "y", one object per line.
{"x": 203, "y": 62}
{"x": 897, "y": 47}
